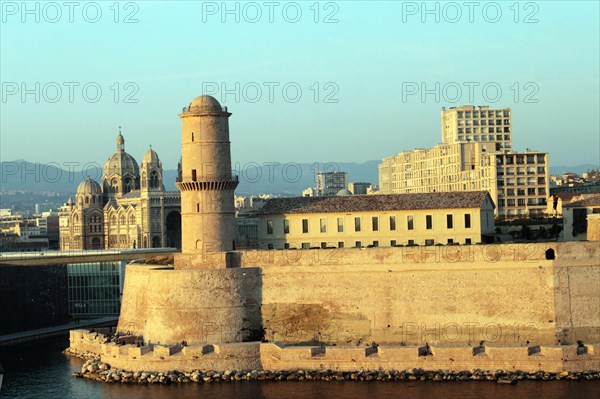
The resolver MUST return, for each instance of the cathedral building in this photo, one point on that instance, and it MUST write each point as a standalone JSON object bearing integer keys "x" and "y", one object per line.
{"x": 128, "y": 209}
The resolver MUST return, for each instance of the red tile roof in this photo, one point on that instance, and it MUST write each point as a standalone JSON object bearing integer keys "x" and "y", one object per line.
{"x": 378, "y": 202}
{"x": 593, "y": 200}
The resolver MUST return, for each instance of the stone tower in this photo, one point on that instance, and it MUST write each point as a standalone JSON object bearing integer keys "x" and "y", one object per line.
{"x": 206, "y": 183}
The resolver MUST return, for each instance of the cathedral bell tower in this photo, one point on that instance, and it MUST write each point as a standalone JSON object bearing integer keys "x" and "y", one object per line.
{"x": 206, "y": 183}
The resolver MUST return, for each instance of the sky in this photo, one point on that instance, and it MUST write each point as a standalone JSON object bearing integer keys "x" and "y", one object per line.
{"x": 342, "y": 81}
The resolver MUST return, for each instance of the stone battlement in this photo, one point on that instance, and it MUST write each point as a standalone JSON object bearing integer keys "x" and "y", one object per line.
{"x": 489, "y": 254}
{"x": 275, "y": 356}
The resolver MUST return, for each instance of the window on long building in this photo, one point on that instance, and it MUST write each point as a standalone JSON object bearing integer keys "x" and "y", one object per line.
{"x": 304, "y": 225}
{"x": 357, "y": 224}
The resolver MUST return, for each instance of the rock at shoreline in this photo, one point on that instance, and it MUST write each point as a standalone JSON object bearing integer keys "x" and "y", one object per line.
{"x": 96, "y": 370}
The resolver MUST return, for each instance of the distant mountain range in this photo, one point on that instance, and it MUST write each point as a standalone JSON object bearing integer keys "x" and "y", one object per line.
{"x": 287, "y": 179}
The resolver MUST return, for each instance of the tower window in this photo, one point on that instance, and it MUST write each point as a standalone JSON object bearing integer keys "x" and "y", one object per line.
{"x": 192, "y": 136}
{"x": 193, "y": 174}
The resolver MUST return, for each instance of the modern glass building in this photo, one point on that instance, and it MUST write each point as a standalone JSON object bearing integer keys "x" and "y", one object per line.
{"x": 95, "y": 289}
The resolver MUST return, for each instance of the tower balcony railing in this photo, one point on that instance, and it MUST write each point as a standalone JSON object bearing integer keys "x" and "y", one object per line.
{"x": 207, "y": 184}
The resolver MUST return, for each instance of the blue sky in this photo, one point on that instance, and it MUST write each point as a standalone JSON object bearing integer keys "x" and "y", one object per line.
{"x": 364, "y": 60}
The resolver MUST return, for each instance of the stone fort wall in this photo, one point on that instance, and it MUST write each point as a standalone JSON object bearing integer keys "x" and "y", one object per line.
{"x": 507, "y": 295}
{"x": 325, "y": 309}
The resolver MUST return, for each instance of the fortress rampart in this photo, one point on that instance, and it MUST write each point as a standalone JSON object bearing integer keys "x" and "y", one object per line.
{"x": 507, "y": 295}
{"x": 372, "y": 308}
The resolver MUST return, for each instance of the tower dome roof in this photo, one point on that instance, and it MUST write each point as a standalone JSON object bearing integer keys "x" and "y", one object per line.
{"x": 121, "y": 163}
{"x": 151, "y": 157}
{"x": 205, "y": 103}
{"x": 88, "y": 186}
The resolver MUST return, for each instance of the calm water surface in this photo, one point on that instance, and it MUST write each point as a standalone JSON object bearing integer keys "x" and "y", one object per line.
{"x": 40, "y": 371}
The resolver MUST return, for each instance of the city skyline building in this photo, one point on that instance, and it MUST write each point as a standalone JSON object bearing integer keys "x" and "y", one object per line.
{"x": 475, "y": 154}
{"x": 329, "y": 184}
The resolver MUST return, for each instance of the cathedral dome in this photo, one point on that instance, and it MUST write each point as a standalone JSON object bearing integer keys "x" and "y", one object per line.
{"x": 205, "y": 103}
{"x": 151, "y": 157}
{"x": 121, "y": 163}
{"x": 88, "y": 186}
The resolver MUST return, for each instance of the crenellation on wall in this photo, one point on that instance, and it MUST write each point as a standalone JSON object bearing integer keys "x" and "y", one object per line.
{"x": 137, "y": 352}
{"x": 163, "y": 351}
{"x": 276, "y": 356}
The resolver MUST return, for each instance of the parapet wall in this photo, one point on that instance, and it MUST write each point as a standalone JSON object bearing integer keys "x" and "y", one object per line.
{"x": 272, "y": 356}
{"x": 506, "y": 295}
{"x": 415, "y": 255}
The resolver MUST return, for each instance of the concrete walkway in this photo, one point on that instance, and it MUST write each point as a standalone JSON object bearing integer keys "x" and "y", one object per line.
{"x": 31, "y": 335}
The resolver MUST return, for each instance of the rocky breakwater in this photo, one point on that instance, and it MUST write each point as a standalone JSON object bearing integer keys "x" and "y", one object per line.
{"x": 94, "y": 369}
{"x": 81, "y": 354}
